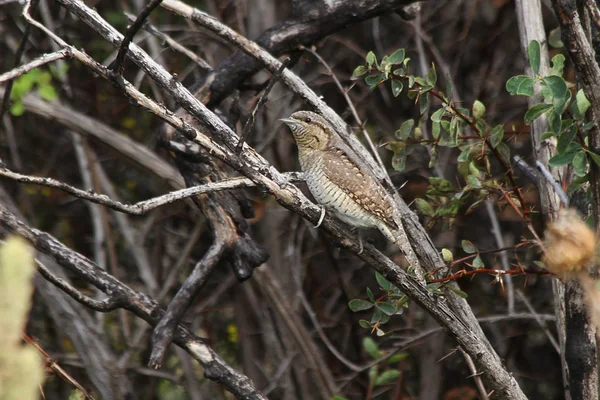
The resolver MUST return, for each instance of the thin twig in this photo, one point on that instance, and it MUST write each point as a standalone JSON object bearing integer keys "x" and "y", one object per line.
{"x": 164, "y": 330}
{"x": 142, "y": 207}
{"x": 476, "y": 375}
{"x": 58, "y": 370}
{"x": 525, "y": 168}
{"x": 173, "y": 44}
{"x": 107, "y": 305}
{"x": 555, "y": 185}
{"x": 38, "y": 62}
{"x": 261, "y": 101}
{"x": 117, "y": 66}
{"x": 539, "y": 321}
{"x": 497, "y": 232}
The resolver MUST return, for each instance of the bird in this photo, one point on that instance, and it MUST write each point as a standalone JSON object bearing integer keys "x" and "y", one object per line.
{"x": 338, "y": 180}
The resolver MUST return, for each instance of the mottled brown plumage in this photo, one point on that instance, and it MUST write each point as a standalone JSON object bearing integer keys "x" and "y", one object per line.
{"x": 337, "y": 178}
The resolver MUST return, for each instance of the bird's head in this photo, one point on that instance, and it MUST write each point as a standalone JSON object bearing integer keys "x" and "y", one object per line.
{"x": 310, "y": 130}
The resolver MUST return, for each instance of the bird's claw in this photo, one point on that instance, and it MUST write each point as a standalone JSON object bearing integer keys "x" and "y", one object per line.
{"x": 360, "y": 244}
{"x": 321, "y": 218}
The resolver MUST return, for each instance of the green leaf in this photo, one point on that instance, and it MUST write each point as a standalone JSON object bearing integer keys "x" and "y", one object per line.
{"x": 435, "y": 130}
{"x": 387, "y": 308}
{"x": 561, "y": 103}
{"x": 423, "y": 103}
{"x": 558, "y": 64}
{"x": 587, "y": 126}
{"x": 565, "y": 139}
{"x": 555, "y": 121}
{"x": 374, "y": 80}
{"x": 396, "y": 358}
{"x": 365, "y": 324}
{"x": 338, "y": 397}
{"x": 387, "y": 376}
{"x": 559, "y": 90}
{"x": 396, "y": 57}
{"x": 434, "y": 155}
{"x": 17, "y": 109}
{"x": 478, "y": 109}
{"x": 371, "y": 347}
{"x": 384, "y": 283}
{"x": 468, "y": 247}
{"x": 397, "y": 87}
{"x": 521, "y": 85}
{"x": 48, "y": 93}
{"x": 534, "y": 56}
{"x": 76, "y": 395}
{"x": 403, "y": 302}
{"x": 373, "y": 372}
{"x": 474, "y": 181}
{"x": 405, "y": 129}
{"x": 478, "y": 263}
{"x": 459, "y": 292}
{"x": 450, "y": 209}
{"x": 536, "y": 111}
{"x": 432, "y": 75}
{"x": 497, "y": 135}
{"x": 379, "y": 316}
{"x": 554, "y": 39}
{"x": 580, "y": 163}
{"x": 424, "y": 207}
{"x": 595, "y": 157}
{"x": 399, "y": 161}
{"x": 359, "y": 305}
{"x": 580, "y": 105}
{"x": 504, "y": 151}
{"x": 370, "y": 59}
{"x": 438, "y": 114}
{"x": 399, "y": 71}
{"x": 440, "y": 185}
{"x": 447, "y": 256}
{"x": 45, "y": 78}
{"x": 370, "y": 295}
{"x": 359, "y": 71}
{"x": 546, "y": 136}
{"x": 561, "y": 159}
{"x": 577, "y": 184}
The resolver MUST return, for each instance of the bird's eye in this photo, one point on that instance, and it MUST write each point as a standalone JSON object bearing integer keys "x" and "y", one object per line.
{"x": 308, "y": 120}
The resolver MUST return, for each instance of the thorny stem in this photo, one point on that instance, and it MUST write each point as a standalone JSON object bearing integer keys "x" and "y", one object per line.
{"x": 495, "y": 272}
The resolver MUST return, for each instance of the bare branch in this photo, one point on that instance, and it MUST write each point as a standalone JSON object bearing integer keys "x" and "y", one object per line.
{"x": 140, "y": 304}
{"x": 145, "y": 206}
{"x": 118, "y": 65}
{"x": 172, "y": 43}
{"x": 107, "y": 305}
{"x": 38, "y": 62}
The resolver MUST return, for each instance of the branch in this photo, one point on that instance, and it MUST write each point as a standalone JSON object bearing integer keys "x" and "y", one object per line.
{"x": 138, "y": 303}
{"x": 145, "y": 206}
{"x": 38, "y": 62}
{"x": 117, "y": 66}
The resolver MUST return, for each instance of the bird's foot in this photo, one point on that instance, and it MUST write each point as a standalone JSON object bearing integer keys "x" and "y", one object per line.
{"x": 360, "y": 243}
{"x": 321, "y": 218}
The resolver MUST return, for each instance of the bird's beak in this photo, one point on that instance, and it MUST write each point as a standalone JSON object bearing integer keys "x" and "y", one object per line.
{"x": 289, "y": 121}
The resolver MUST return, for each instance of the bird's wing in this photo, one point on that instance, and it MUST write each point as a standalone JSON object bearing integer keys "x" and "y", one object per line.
{"x": 362, "y": 187}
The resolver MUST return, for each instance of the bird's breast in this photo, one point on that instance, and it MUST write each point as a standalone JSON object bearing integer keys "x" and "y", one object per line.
{"x": 333, "y": 197}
